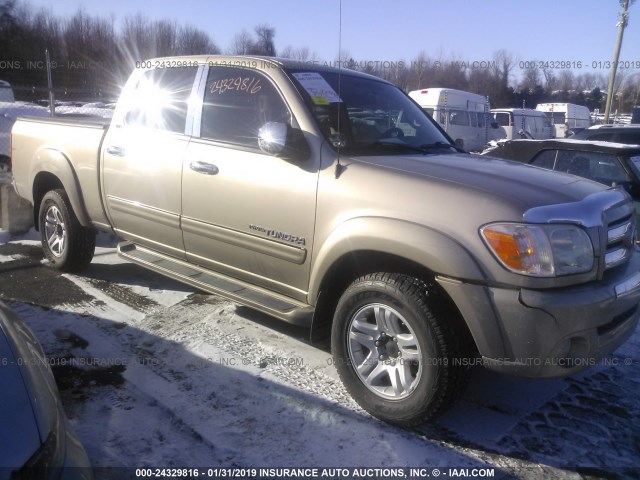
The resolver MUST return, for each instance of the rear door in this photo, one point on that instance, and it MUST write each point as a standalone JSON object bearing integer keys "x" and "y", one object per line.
{"x": 142, "y": 159}
{"x": 245, "y": 213}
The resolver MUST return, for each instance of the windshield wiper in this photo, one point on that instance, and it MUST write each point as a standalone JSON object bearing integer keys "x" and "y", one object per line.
{"x": 429, "y": 146}
{"x": 424, "y": 148}
{"x": 391, "y": 143}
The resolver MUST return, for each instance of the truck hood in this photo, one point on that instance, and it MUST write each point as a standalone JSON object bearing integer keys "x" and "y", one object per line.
{"x": 517, "y": 183}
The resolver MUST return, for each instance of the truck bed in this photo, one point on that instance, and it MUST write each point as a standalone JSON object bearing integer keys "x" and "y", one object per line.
{"x": 68, "y": 147}
{"x": 71, "y": 119}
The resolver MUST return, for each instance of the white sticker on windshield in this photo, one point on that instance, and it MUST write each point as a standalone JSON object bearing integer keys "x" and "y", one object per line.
{"x": 320, "y": 91}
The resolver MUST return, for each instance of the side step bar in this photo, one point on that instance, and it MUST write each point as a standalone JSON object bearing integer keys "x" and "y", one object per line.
{"x": 268, "y": 302}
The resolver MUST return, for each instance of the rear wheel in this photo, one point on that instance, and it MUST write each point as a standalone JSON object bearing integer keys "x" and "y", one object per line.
{"x": 396, "y": 349}
{"x": 66, "y": 243}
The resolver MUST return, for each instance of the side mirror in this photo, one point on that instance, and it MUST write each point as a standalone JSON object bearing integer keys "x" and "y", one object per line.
{"x": 272, "y": 137}
{"x": 494, "y": 125}
{"x": 281, "y": 140}
{"x": 524, "y": 134}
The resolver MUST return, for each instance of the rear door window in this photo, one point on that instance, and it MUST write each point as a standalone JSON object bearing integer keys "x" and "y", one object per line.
{"x": 161, "y": 99}
{"x": 629, "y": 138}
{"x": 602, "y": 137}
{"x": 600, "y": 167}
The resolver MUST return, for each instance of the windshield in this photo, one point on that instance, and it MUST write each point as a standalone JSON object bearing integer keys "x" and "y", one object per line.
{"x": 364, "y": 116}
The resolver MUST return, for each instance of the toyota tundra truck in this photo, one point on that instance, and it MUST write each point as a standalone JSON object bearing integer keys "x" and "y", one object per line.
{"x": 327, "y": 198}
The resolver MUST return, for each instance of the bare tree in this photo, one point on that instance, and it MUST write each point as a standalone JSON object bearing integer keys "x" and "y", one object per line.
{"x": 418, "y": 70}
{"x": 566, "y": 80}
{"x": 241, "y": 44}
{"x": 166, "y": 37}
{"x": 136, "y": 39}
{"x": 301, "y": 54}
{"x": 503, "y": 65}
{"x": 531, "y": 79}
{"x": 264, "y": 45}
{"x": 6, "y": 12}
{"x": 550, "y": 80}
{"x": 193, "y": 41}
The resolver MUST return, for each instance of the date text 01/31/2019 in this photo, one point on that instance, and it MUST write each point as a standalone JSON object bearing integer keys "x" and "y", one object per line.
{"x": 578, "y": 64}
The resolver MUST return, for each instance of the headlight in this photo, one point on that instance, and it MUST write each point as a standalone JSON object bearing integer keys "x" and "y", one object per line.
{"x": 540, "y": 250}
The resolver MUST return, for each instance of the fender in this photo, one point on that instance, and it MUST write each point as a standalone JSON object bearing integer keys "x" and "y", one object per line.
{"x": 436, "y": 251}
{"x": 56, "y": 163}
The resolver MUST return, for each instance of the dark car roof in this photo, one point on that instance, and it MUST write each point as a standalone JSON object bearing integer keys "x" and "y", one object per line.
{"x": 524, "y": 150}
{"x": 607, "y": 131}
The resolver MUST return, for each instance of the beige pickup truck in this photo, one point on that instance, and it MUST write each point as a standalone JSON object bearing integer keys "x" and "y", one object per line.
{"x": 328, "y": 199}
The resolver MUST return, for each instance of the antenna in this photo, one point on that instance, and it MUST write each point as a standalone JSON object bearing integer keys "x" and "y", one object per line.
{"x": 339, "y": 167}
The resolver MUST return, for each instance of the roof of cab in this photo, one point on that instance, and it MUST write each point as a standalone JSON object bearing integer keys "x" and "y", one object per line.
{"x": 263, "y": 63}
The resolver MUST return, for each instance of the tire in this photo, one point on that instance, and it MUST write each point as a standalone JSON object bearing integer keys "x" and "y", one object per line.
{"x": 394, "y": 342}
{"x": 67, "y": 245}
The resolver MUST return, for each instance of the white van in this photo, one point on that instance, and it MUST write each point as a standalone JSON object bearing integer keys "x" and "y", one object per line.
{"x": 463, "y": 115}
{"x": 523, "y": 123}
{"x": 562, "y": 115}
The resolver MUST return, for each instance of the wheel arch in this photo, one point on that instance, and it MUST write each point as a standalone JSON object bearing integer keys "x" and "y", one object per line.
{"x": 373, "y": 245}
{"x": 52, "y": 170}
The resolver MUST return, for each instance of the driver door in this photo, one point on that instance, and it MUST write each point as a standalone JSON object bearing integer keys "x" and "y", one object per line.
{"x": 247, "y": 214}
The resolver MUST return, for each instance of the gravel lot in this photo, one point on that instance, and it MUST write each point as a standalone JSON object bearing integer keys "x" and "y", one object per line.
{"x": 153, "y": 373}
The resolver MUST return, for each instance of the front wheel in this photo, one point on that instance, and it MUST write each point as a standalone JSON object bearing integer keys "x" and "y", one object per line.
{"x": 396, "y": 349}
{"x": 66, "y": 243}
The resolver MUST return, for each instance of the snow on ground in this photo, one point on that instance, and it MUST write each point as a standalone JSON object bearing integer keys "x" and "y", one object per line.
{"x": 153, "y": 373}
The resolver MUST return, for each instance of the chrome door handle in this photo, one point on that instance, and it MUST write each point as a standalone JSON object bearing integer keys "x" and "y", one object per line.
{"x": 204, "y": 167}
{"x": 115, "y": 151}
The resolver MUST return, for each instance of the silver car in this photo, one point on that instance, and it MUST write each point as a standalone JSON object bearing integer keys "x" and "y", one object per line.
{"x": 36, "y": 440}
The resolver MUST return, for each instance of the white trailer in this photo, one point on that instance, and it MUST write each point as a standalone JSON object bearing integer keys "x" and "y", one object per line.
{"x": 463, "y": 115}
{"x": 563, "y": 115}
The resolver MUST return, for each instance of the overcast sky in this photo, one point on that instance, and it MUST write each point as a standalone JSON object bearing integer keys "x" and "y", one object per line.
{"x": 378, "y": 30}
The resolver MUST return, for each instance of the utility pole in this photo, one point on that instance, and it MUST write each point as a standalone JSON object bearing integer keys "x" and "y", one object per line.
{"x": 622, "y": 23}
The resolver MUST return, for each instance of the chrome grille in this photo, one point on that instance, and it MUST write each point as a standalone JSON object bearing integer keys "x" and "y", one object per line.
{"x": 621, "y": 239}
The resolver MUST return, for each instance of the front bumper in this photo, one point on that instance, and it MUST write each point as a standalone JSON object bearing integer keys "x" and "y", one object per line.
{"x": 550, "y": 333}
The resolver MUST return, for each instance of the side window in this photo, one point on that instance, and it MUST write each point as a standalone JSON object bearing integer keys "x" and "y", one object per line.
{"x": 557, "y": 118}
{"x": 545, "y": 159}
{"x": 161, "y": 99}
{"x": 482, "y": 119}
{"x": 629, "y": 138}
{"x": 502, "y": 118}
{"x": 237, "y": 102}
{"x": 600, "y": 167}
{"x": 458, "y": 117}
{"x": 602, "y": 137}
{"x": 473, "y": 119}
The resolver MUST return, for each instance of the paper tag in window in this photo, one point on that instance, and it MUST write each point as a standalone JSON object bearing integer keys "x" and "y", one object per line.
{"x": 320, "y": 91}
{"x": 320, "y": 100}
